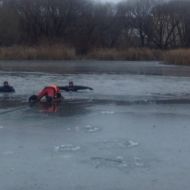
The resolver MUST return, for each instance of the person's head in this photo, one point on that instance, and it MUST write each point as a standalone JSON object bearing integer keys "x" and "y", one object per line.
{"x": 5, "y": 83}
{"x": 58, "y": 95}
{"x": 33, "y": 99}
{"x": 49, "y": 99}
{"x": 71, "y": 84}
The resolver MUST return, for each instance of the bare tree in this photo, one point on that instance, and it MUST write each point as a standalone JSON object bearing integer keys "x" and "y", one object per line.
{"x": 9, "y": 24}
{"x": 87, "y": 25}
{"x": 165, "y": 22}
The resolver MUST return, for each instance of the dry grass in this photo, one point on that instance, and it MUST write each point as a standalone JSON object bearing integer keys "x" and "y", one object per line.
{"x": 55, "y": 52}
{"x": 177, "y": 56}
{"x": 125, "y": 54}
{"x": 59, "y": 52}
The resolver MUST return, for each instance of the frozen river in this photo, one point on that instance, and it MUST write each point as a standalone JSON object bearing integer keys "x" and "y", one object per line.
{"x": 132, "y": 132}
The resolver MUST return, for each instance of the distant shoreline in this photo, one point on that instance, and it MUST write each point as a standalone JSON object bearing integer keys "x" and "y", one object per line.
{"x": 58, "y": 52}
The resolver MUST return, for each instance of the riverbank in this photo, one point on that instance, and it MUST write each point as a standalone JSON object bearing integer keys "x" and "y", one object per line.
{"x": 54, "y": 52}
{"x": 60, "y": 52}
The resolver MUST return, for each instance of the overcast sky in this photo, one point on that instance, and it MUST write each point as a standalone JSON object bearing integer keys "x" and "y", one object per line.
{"x": 115, "y": 1}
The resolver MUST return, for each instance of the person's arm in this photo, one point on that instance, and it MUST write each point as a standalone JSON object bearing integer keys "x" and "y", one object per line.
{"x": 42, "y": 94}
{"x": 83, "y": 88}
{"x": 12, "y": 89}
{"x": 74, "y": 88}
{"x": 65, "y": 88}
{"x": 7, "y": 89}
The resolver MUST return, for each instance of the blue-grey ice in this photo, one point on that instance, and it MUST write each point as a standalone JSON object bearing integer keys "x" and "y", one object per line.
{"x": 132, "y": 132}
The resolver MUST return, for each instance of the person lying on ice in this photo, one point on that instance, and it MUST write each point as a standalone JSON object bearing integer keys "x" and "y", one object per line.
{"x": 74, "y": 88}
{"x": 50, "y": 94}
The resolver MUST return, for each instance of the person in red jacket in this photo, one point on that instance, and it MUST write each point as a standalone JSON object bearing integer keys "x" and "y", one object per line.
{"x": 51, "y": 93}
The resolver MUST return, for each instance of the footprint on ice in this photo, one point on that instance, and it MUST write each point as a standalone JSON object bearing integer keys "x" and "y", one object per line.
{"x": 66, "y": 147}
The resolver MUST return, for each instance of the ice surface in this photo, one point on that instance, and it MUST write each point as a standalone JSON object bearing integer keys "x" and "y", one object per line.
{"x": 126, "y": 134}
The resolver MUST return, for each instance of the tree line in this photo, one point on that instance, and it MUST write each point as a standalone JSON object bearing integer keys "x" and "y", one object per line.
{"x": 86, "y": 25}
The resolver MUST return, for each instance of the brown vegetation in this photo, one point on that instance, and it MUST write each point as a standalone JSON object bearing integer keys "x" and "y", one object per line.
{"x": 125, "y": 54}
{"x": 55, "y": 52}
{"x": 59, "y": 52}
{"x": 177, "y": 56}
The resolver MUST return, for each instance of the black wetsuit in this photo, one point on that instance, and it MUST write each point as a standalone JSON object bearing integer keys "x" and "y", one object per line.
{"x": 74, "y": 88}
{"x": 7, "y": 89}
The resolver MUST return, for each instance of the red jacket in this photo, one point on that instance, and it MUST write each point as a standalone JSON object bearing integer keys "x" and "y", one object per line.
{"x": 51, "y": 91}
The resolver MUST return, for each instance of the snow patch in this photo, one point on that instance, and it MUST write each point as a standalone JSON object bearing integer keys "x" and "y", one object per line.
{"x": 132, "y": 143}
{"x": 138, "y": 162}
{"x": 91, "y": 129}
{"x": 107, "y": 112}
{"x": 118, "y": 143}
{"x": 117, "y": 162}
{"x": 66, "y": 147}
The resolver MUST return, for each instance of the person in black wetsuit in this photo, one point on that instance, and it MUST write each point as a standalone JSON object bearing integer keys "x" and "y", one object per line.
{"x": 74, "y": 88}
{"x": 6, "y": 87}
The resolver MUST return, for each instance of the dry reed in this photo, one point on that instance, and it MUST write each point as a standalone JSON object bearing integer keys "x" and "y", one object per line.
{"x": 177, "y": 56}
{"x": 60, "y": 52}
{"x": 124, "y": 54}
{"x": 55, "y": 52}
